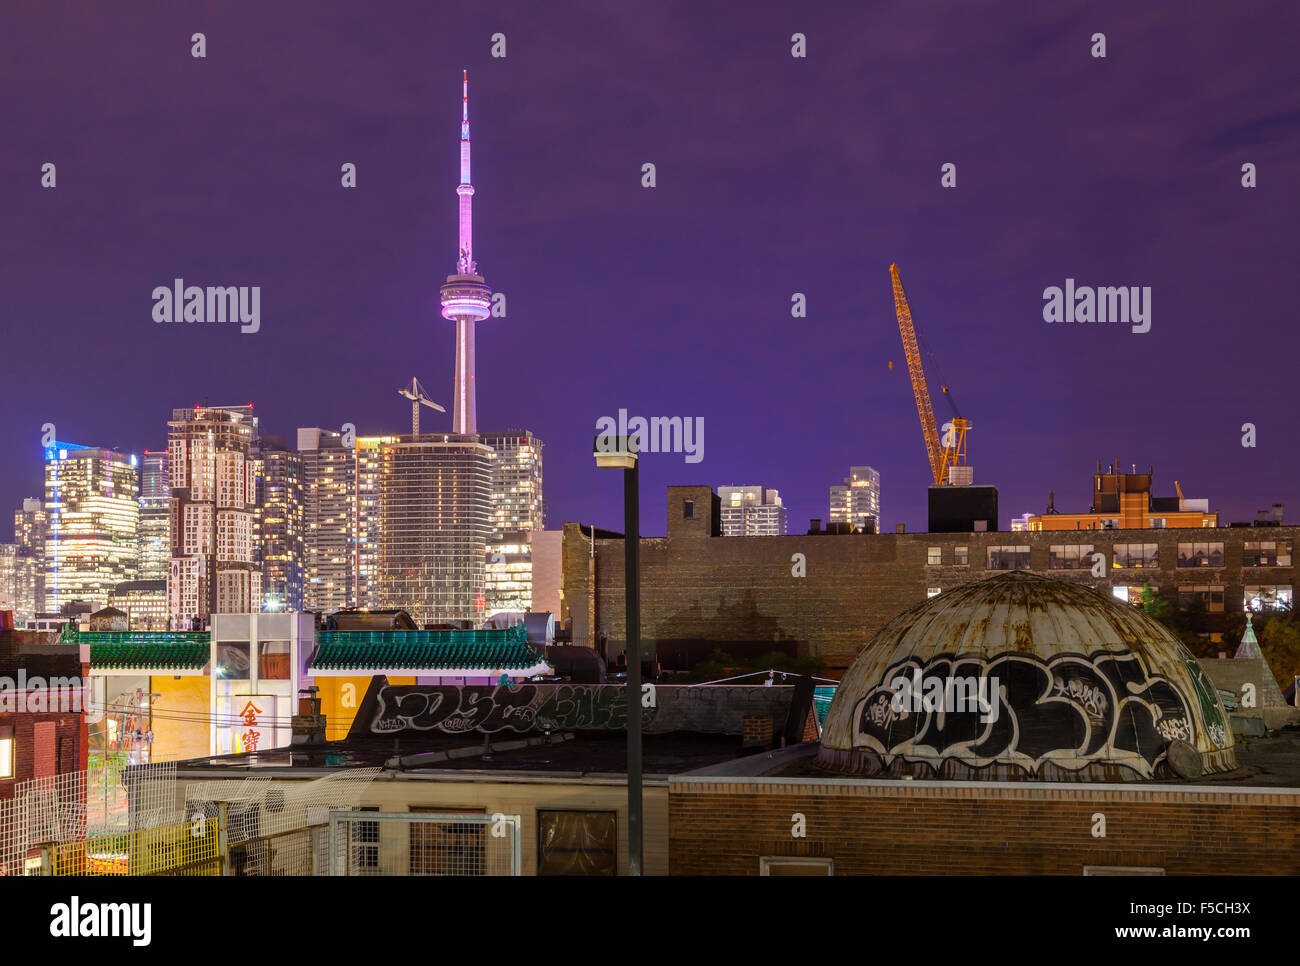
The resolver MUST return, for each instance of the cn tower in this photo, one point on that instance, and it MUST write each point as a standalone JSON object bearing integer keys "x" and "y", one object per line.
{"x": 466, "y": 299}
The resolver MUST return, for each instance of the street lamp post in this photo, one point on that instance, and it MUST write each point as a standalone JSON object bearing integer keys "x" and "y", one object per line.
{"x": 620, "y": 452}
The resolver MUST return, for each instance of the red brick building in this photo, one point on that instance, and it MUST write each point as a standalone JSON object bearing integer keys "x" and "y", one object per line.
{"x": 42, "y": 727}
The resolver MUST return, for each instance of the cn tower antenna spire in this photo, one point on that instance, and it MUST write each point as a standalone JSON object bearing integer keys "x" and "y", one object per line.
{"x": 466, "y": 298}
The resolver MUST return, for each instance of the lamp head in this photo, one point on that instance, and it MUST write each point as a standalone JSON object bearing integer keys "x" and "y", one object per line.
{"x": 615, "y": 452}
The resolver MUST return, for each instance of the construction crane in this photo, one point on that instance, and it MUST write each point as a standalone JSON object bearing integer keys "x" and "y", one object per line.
{"x": 415, "y": 393}
{"x": 949, "y": 452}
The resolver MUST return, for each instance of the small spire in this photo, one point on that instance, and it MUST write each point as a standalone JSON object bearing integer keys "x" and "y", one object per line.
{"x": 464, "y": 107}
{"x": 1249, "y": 646}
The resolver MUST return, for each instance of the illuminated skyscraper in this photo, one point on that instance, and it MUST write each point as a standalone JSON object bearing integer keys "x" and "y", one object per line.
{"x": 18, "y": 577}
{"x": 857, "y": 501}
{"x": 29, "y": 562}
{"x": 213, "y": 501}
{"x": 278, "y": 547}
{"x": 92, "y": 511}
{"x": 155, "y": 516}
{"x": 466, "y": 298}
{"x": 517, "y": 514}
{"x": 751, "y": 511}
{"x": 435, "y": 497}
{"x": 29, "y": 526}
{"x": 329, "y": 519}
{"x": 369, "y": 526}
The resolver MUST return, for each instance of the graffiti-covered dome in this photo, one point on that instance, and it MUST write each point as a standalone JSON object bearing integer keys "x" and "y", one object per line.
{"x": 1022, "y": 677}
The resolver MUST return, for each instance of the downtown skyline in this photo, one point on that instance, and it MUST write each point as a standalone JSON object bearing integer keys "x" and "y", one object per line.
{"x": 775, "y": 176}
{"x": 847, "y": 440}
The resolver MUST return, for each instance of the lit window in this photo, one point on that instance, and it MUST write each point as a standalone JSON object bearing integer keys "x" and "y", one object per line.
{"x": 1130, "y": 593}
{"x": 934, "y": 556}
{"x": 1268, "y": 597}
{"x": 1135, "y": 556}
{"x": 1266, "y": 553}
{"x": 6, "y": 751}
{"x": 933, "y": 591}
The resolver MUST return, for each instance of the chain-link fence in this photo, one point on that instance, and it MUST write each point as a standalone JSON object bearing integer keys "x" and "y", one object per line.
{"x": 278, "y": 828}
{"x": 101, "y": 801}
{"x": 423, "y": 843}
{"x": 187, "y": 849}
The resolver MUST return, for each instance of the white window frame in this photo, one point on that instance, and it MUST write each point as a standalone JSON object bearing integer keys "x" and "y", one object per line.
{"x": 766, "y": 862}
{"x": 1122, "y": 870}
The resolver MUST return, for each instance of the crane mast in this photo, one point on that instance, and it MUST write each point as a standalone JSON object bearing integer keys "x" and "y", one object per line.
{"x": 951, "y": 451}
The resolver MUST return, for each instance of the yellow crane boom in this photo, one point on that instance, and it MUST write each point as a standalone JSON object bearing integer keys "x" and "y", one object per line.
{"x": 951, "y": 451}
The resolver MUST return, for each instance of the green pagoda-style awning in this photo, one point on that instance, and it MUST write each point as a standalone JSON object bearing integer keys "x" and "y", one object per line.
{"x": 437, "y": 651}
{"x": 141, "y": 650}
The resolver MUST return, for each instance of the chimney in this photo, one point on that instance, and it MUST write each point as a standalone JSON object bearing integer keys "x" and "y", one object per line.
{"x": 1277, "y": 513}
{"x": 900, "y": 528}
{"x": 756, "y": 731}
{"x": 815, "y": 525}
{"x": 307, "y": 727}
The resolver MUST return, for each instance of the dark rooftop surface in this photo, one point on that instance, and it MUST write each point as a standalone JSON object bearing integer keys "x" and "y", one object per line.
{"x": 1271, "y": 761}
{"x": 570, "y": 753}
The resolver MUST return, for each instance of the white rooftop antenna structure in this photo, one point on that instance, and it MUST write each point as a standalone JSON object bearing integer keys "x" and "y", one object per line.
{"x": 415, "y": 393}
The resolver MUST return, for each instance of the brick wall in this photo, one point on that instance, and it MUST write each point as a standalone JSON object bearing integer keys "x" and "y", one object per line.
{"x": 45, "y": 754}
{"x": 810, "y": 731}
{"x": 901, "y": 828}
{"x": 738, "y": 593}
{"x": 45, "y": 742}
{"x": 756, "y": 729}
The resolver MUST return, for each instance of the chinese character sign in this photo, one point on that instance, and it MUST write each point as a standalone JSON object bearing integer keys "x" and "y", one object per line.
{"x": 252, "y": 733}
{"x": 247, "y": 723}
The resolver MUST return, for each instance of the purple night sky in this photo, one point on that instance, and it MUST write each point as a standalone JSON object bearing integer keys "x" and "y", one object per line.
{"x": 776, "y": 175}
